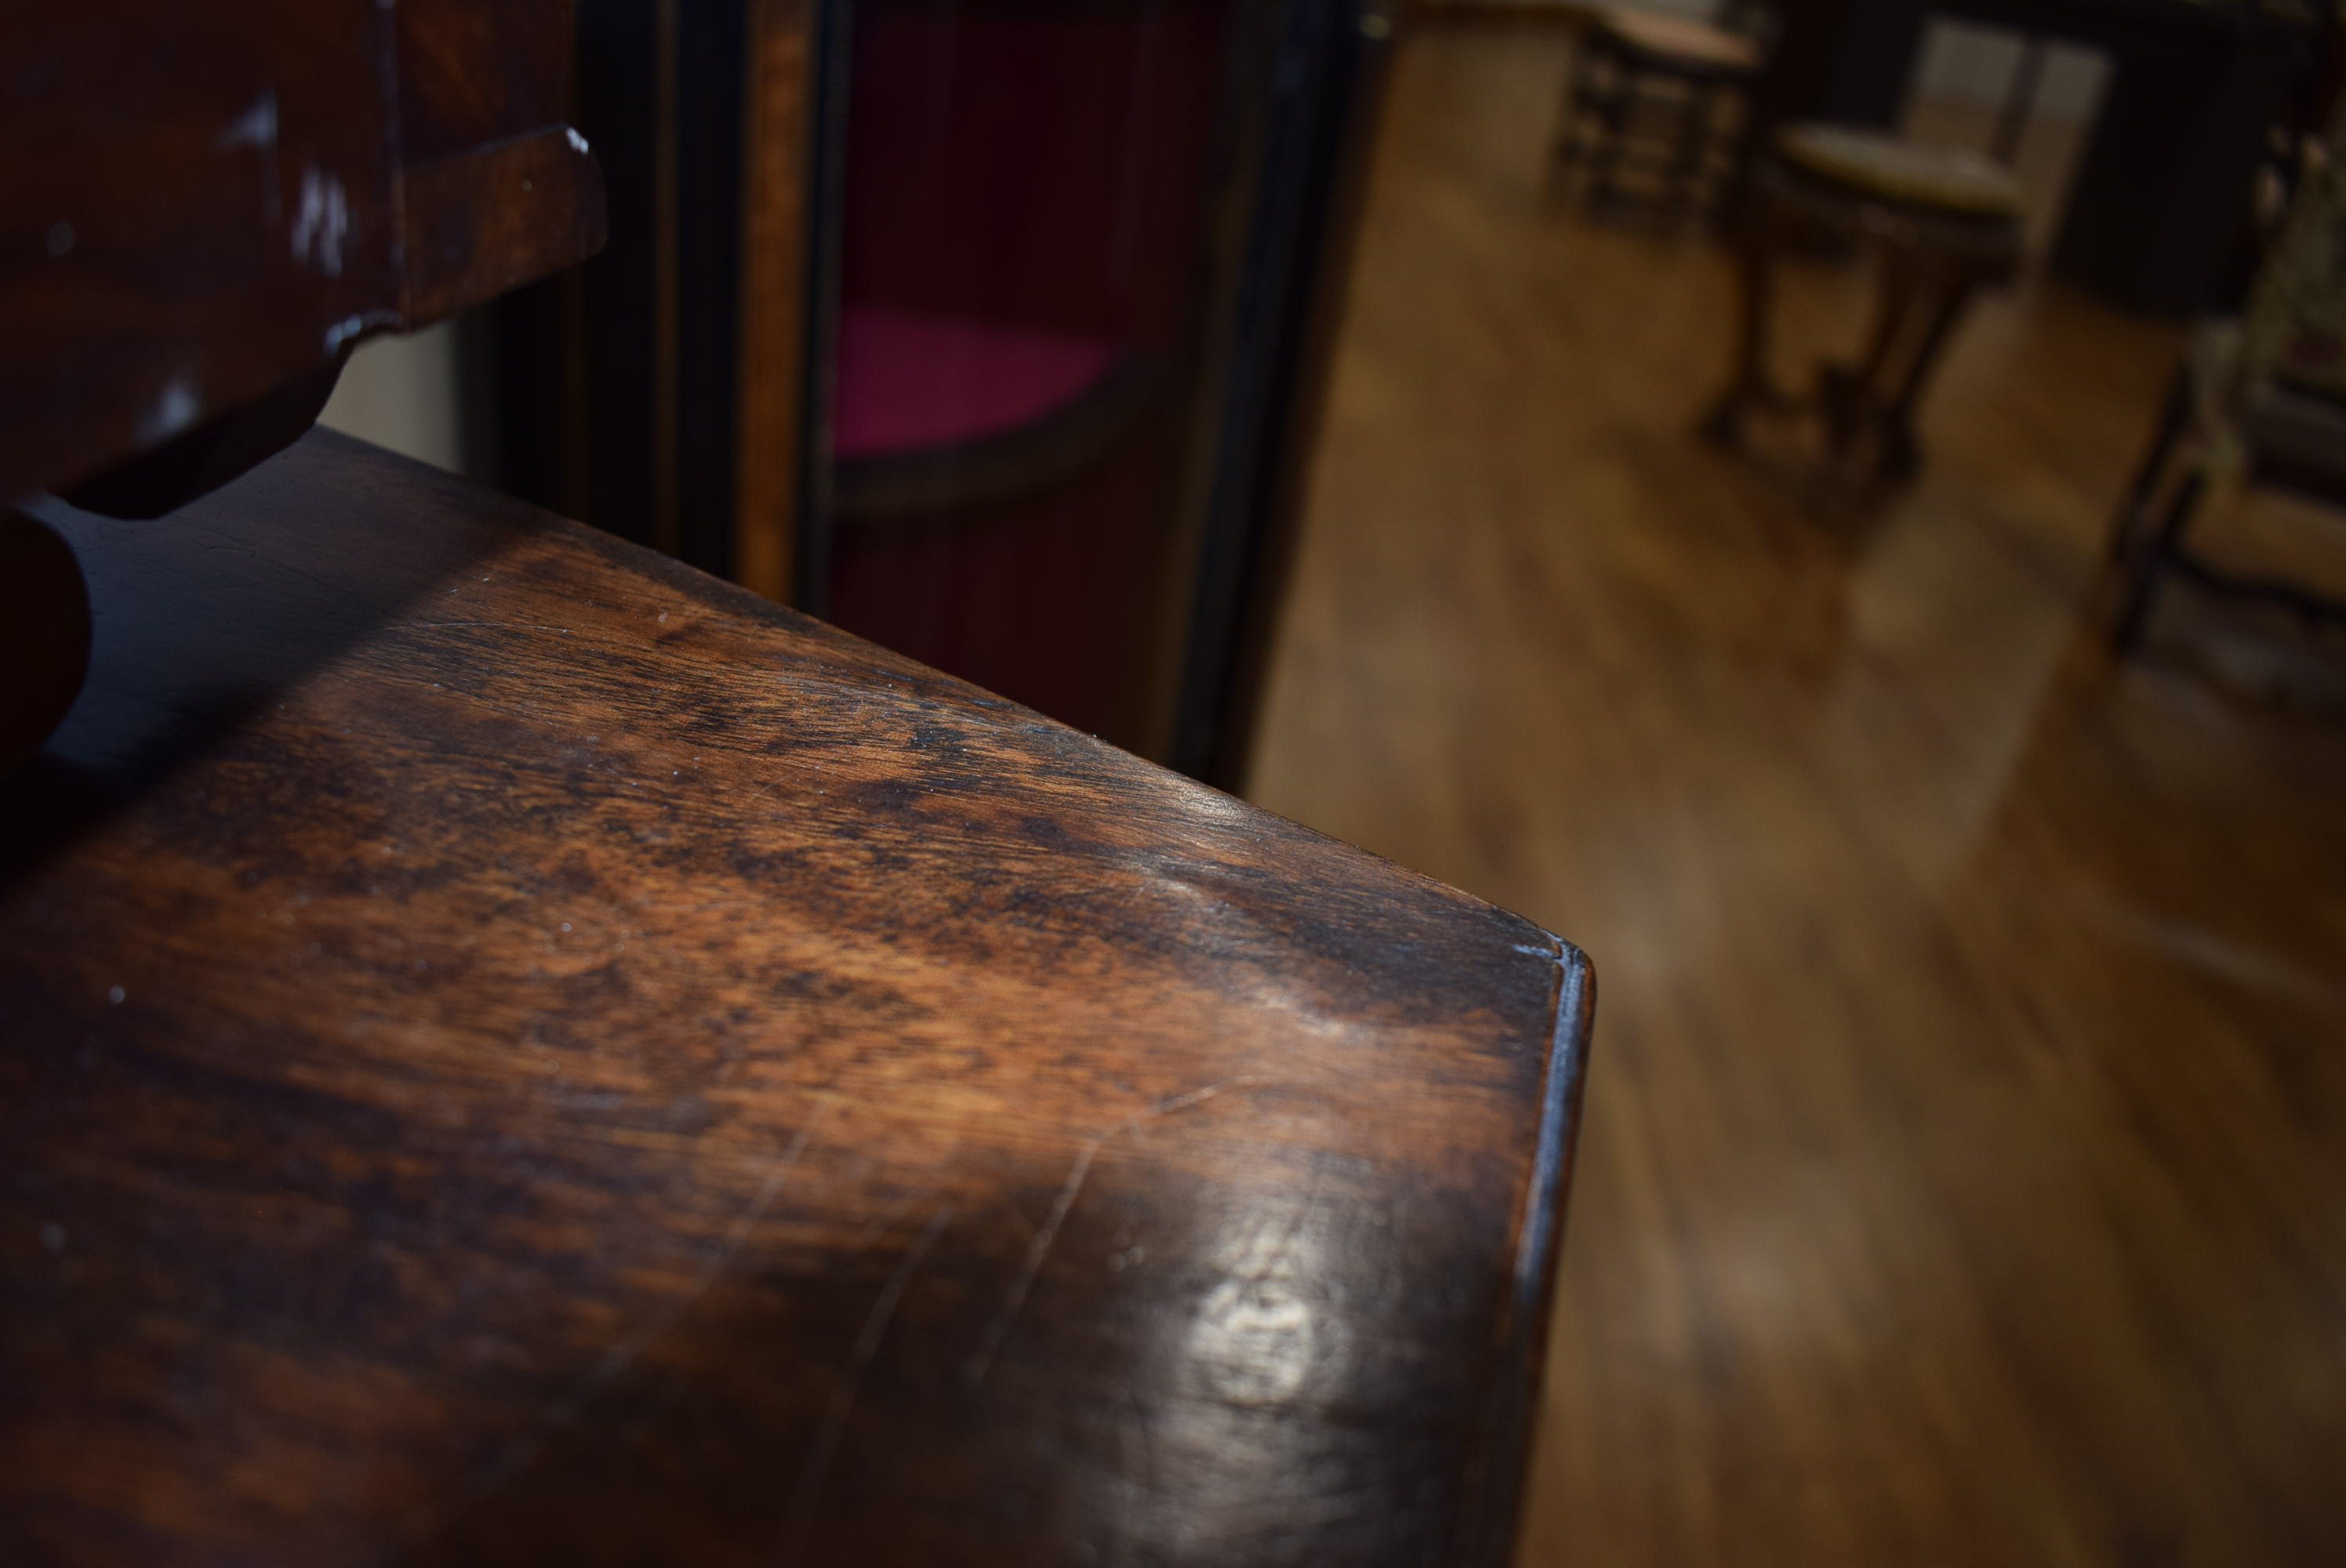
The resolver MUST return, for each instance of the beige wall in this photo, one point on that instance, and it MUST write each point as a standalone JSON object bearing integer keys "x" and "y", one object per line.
{"x": 400, "y": 392}
{"x": 1965, "y": 64}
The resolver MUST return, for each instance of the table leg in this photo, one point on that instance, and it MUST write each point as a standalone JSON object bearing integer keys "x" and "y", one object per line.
{"x": 1902, "y": 452}
{"x": 1756, "y": 272}
{"x": 2173, "y": 416}
{"x": 1579, "y": 103}
{"x": 1851, "y": 396}
{"x": 2139, "y": 577}
{"x": 1612, "y": 105}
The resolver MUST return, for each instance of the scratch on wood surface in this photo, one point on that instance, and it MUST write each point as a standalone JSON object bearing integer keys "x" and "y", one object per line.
{"x": 1137, "y": 1409}
{"x": 843, "y": 1393}
{"x": 502, "y": 625}
{"x": 974, "y": 1369}
{"x": 769, "y": 786}
{"x": 517, "y": 1454}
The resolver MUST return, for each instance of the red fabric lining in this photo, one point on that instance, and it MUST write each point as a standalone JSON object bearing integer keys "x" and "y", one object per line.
{"x": 907, "y": 381}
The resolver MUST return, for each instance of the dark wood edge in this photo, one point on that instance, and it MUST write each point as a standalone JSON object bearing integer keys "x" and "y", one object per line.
{"x": 822, "y": 221}
{"x": 778, "y": 59}
{"x": 666, "y": 515}
{"x": 482, "y": 223}
{"x": 193, "y": 463}
{"x": 1213, "y": 736}
{"x": 1496, "y": 1495}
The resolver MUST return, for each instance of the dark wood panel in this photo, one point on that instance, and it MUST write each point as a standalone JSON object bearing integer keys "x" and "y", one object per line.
{"x": 516, "y": 1051}
{"x": 486, "y": 221}
{"x": 461, "y": 81}
{"x": 206, "y": 205}
{"x": 208, "y": 215}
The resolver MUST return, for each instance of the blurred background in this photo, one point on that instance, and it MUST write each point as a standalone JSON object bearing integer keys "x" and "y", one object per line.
{"x": 1875, "y": 589}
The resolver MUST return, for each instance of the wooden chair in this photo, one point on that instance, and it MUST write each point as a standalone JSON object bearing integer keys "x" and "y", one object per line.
{"x": 1647, "y": 90}
{"x": 1946, "y": 223}
{"x": 2257, "y": 402}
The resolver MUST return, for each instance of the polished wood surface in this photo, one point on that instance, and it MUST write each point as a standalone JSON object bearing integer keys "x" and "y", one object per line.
{"x": 206, "y": 205}
{"x": 516, "y": 1051}
{"x": 1962, "y": 1168}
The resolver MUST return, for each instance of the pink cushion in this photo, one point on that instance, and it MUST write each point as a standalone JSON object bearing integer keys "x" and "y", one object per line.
{"x": 907, "y": 381}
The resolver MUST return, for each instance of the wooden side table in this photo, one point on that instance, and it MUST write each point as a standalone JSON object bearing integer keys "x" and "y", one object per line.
{"x": 517, "y": 1052}
{"x": 1944, "y": 223}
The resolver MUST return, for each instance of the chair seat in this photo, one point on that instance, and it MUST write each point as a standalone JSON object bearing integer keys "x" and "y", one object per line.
{"x": 936, "y": 414}
{"x": 1679, "y": 41}
{"x": 910, "y": 381}
{"x": 1874, "y": 164}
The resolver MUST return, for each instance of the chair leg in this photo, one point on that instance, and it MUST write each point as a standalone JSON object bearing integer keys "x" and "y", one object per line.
{"x": 2138, "y": 579}
{"x": 1741, "y": 150}
{"x": 1877, "y": 397}
{"x": 2174, "y": 414}
{"x": 1572, "y": 112}
{"x": 1851, "y": 396}
{"x": 1902, "y": 452}
{"x": 1687, "y": 158}
{"x": 1750, "y": 383}
{"x": 1611, "y": 102}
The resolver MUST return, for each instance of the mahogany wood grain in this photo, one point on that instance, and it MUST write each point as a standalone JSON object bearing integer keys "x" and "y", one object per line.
{"x": 1964, "y": 1176}
{"x": 474, "y": 73}
{"x": 485, "y": 221}
{"x": 778, "y": 150}
{"x": 518, "y": 1051}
